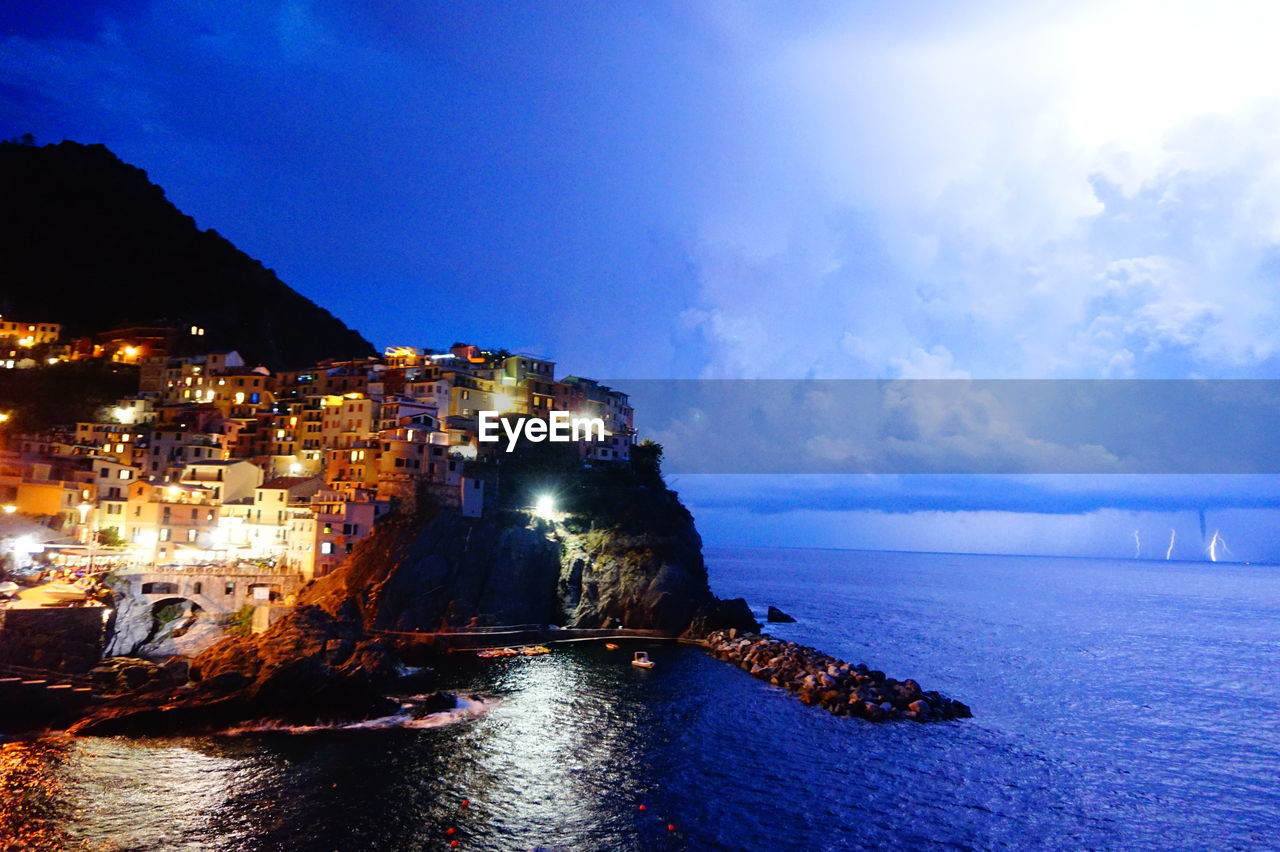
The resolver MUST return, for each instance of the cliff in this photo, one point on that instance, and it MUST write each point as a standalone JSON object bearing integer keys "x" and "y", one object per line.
{"x": 89, "y": 242}
{"x": 442, "y": 571}
{"x": 433, "y": 570}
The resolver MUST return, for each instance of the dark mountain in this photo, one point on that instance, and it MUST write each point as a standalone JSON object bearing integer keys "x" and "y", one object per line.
{"x": 88, "y": 241}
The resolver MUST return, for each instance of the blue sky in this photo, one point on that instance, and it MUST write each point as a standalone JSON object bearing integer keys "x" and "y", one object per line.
{"x": 715, "y": 189}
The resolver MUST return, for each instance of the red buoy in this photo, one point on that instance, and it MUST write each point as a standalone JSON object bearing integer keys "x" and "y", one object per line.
{"x": 642, "y": 807}
{"x": 452, "y": 830}
{"x": 453, "y": 843}
{"x": 670, "y": 827}
{"x": 466, "y": 802}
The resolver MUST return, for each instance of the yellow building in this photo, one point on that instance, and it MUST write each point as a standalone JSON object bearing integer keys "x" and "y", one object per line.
{"x": 28, "y": 334}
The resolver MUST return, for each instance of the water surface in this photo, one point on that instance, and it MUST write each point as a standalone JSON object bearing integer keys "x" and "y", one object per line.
{"x": 1118, "y": 705}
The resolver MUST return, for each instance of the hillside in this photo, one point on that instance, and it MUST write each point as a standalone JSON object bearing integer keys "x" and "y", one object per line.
{"x": 89, "y": 241}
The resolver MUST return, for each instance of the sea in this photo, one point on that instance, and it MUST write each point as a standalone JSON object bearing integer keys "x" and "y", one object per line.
{"x": 1117, "y": 705}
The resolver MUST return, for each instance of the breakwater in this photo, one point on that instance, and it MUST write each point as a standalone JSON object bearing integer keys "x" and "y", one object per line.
{"x": 845, "y": 689}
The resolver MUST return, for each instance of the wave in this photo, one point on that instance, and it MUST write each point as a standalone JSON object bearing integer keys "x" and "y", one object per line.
{"x": 409, "y": 717}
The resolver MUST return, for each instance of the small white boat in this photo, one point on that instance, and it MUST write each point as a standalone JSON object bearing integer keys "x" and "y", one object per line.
{"x": 641, "y": 660}
{"x": 8, "y": 588}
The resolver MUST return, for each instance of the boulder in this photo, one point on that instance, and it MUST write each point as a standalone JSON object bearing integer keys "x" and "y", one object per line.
{"x": 720, "y": 615}
{"x": 777, "y": 616}
{"x": 309, "y": 667}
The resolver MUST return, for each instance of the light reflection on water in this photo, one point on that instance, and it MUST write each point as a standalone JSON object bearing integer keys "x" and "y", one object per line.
{"x": 1118, "y": 706}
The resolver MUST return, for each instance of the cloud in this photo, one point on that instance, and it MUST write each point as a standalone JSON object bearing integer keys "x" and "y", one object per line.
{"x": 1085, "y": 190}
{"x": 1039, "y": 494}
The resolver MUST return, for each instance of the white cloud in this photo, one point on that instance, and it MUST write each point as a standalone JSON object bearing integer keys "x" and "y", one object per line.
{"x": 1089, "y": 190}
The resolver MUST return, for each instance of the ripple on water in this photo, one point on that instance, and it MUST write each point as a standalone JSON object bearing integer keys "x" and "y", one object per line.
{"x": 1118, "y": 705}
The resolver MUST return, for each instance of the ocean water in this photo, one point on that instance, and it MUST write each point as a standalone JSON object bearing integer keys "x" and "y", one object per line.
{"x": 1118, "y": 705}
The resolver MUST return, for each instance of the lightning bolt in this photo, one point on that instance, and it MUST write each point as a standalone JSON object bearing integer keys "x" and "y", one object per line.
{"x": 1173, "y": 536}
{"x": 1213, "y": 546}
{"x": 1137, "y": 545}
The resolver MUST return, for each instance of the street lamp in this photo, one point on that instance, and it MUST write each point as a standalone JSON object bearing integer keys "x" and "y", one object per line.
{"x": 545, "y": 507}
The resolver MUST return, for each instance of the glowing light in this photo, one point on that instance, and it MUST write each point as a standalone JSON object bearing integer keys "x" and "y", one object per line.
{"x": 295, "y": 468}
{"x": 173, "y": 491}
{"x": 4, "y": 417}
{"x": 9, "y": 508}
{"x": 26, "y": 544}
{"x": 545, "y": 507}
{"x": 1213, "y": 546}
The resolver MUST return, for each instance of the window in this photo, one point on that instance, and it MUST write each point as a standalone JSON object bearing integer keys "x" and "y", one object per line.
{"x": 164, "y": 533}
{"x": 197, "y": 587}
{"x": 229, "y": 589}
{"x": 191, "y": 535}
{"x": 125, "y": 473}
{"x": 326, "y": 547}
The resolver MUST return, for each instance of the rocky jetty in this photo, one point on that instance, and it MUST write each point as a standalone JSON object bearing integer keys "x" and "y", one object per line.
{"x": 843, "y": 688}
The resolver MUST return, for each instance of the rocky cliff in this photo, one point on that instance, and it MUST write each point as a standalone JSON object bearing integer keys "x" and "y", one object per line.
{"x": 141, "y": 628}
{"x": 435, "y": 570}
{"x": 448, "y": 572}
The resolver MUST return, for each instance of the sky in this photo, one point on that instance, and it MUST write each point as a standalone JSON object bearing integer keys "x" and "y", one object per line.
{"x": 723, "y": 190}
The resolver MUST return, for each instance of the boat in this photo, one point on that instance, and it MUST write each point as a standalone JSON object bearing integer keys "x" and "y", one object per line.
{"x": 8, "y": 588}
{"x": 641, "y": 660}
{"x": 535, "y": 650}
{"x": 610, "y": 646}
{"x": 62, "y": 592}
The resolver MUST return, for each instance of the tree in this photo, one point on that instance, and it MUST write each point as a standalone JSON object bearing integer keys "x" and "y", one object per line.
{"x": 646, "y": 460}
{"x": 110, "y": 537}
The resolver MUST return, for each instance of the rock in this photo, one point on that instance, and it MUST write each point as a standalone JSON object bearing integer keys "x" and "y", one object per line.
{"x": 437, "y": 702}
{"x": 833, "y": 684}
{"x": 121, "y": 675}
{"x": 722, "y": 615}
{"x": 309, "y": 667}
{"x": 777, "y": 616}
